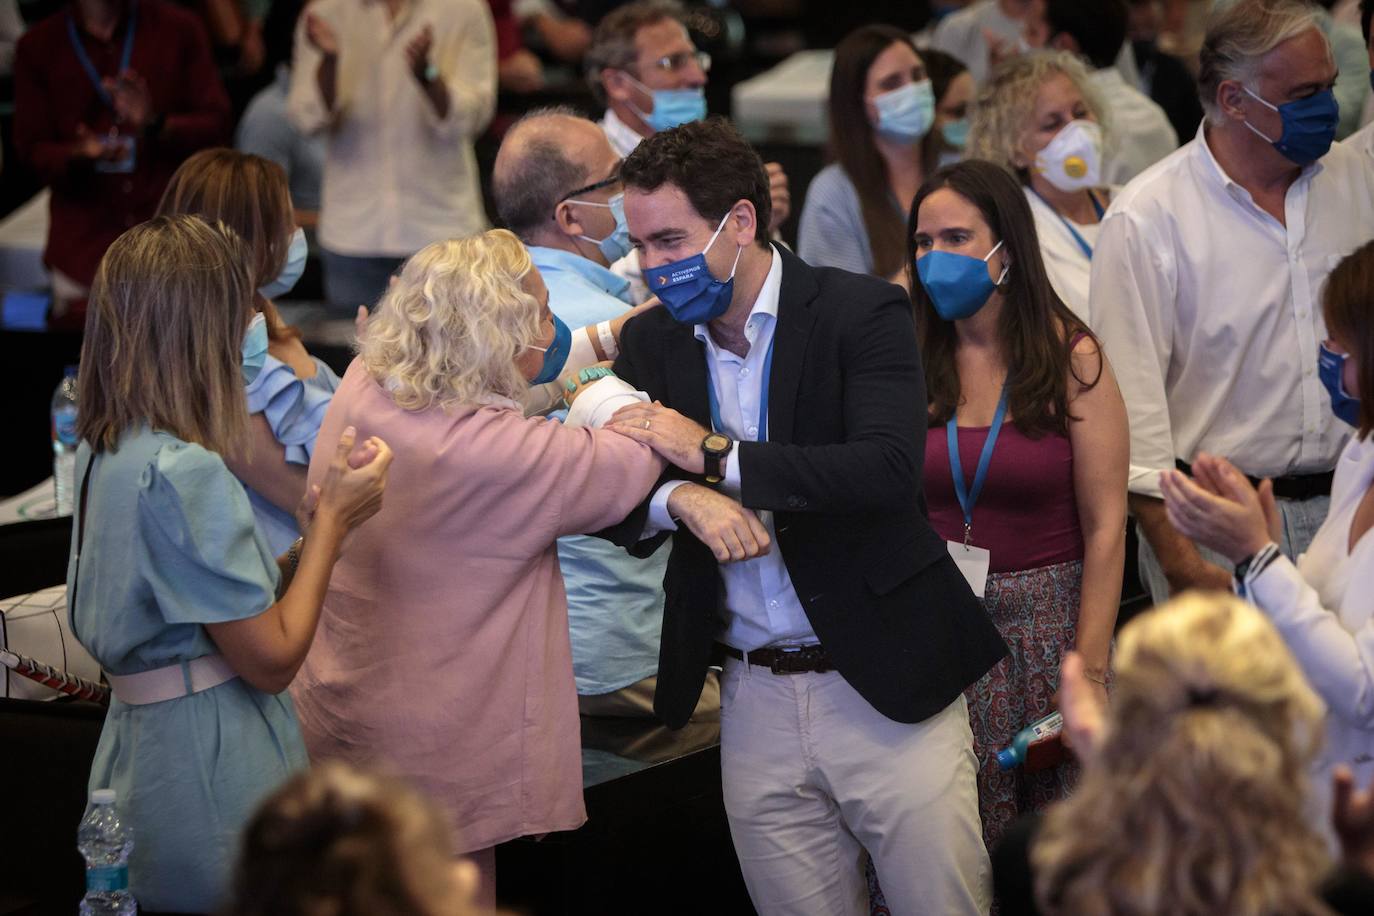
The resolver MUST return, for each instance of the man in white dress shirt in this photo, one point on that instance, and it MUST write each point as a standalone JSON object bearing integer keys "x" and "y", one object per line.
{"x": 1207, "y": 278}
{"x": 1140, "y": 133}
{"x": 401, "y": 88}
{"x": 643, "y": 67}
{"x": 1363, "y": 140}
{"x": 981, "y": 33}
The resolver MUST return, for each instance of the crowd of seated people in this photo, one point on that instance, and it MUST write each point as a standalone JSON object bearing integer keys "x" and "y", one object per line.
{"x": 630, "y": 454}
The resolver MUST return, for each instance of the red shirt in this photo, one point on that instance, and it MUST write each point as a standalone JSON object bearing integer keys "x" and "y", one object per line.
{"x": 53, "y": 94}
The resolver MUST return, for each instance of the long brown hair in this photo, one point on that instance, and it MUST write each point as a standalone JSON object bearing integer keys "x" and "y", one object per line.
{"x": 1037, "y": 331}
{"x": 164, "y": 332}
{"x": 852, "y": 144}
{"x": 250, "y": 195}
{"x": 1345, "y": 304}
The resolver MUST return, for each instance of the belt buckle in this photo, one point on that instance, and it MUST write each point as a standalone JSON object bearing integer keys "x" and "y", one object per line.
{"x": 790, "y": 660}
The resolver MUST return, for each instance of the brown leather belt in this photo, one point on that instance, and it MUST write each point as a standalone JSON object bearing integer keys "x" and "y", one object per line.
{"x": 783, "y": 659}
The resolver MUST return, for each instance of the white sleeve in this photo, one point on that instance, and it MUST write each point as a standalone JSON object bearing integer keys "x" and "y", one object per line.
{"x": 1339, "y": 663}
{"x": 659, "y": 517}
{"x": 1132, "y": 299}
{"x": 599, "y": 400}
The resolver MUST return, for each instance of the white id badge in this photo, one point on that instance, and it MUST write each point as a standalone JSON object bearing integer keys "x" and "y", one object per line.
{"x": 973, "y": 562}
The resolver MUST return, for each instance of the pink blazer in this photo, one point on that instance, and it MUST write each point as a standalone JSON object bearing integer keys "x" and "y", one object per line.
{"x": 442, "y": 653}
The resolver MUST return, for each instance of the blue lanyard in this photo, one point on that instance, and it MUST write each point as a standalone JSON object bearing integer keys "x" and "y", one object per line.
{"x": 85, "y": 58}
{"x": 967, "y": 498}
{"x": 716, "y": 423}
{"x": 1082, "y": 242}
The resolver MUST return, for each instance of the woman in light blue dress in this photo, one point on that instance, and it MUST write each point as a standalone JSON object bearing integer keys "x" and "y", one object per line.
{"x": 197, "y": 625}
{"x": 288, "y": 398}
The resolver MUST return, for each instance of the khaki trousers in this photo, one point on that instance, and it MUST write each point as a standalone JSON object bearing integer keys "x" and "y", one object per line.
{"x": 813, "y": 775}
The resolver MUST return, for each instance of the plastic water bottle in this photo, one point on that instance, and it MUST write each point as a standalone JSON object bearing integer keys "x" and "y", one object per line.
{"x": 64, "y": 441}
{"x": 106, "y": 844}
{"x": 1039, "y": 745}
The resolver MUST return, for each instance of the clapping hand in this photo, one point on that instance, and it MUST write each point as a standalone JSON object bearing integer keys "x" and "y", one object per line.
{"x": 417, "y": 52}
{"x": 351, "y": 492}
{"x": 1220, "y": 509}
{"x": 1353, "y": 815}
{"x": 675, "y": 437}
{"x": 780, "y": 195}
{"x": 1083, "y": 704}
{"x": 133, "y": 103}
{"x": 321, "y": 35}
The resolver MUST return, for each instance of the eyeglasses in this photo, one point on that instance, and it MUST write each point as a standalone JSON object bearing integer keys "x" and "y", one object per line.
{"x": 604, "y": 183}
{"x": 671, "y": 63}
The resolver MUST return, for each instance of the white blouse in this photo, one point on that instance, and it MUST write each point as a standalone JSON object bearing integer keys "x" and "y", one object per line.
{"x": 1067, "y": 263}
{"x": 1322, "y": 607}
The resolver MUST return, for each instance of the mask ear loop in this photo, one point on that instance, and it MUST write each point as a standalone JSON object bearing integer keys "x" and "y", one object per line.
{"x": 1006, "y": 268}
{"x": 1246, "y": 122}
{"x": 739, "y": 249}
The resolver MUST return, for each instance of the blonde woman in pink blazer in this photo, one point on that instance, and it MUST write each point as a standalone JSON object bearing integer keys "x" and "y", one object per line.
{"x": 442, "y": 653}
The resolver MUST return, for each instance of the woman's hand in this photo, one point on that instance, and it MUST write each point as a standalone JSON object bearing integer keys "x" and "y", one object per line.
{"x": 1353, "y": 814}
{"x": 1083, "y": 704}
{"x": 1231, "y": 519}
{"x": 351, "y": 491}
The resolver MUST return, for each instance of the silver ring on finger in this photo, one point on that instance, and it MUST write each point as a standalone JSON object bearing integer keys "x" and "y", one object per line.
{"x": 647, "y": 424}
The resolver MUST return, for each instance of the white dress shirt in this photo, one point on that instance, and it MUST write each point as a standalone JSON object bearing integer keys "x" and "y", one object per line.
{"x": 1210, "y": 312}
{"x": 1363, "y": 141}
{"x": 622, "y": 136}
{"x": 397, "y": 176}
{"x": 1068, "y": 265}
{"x": 961, "y": 34}
{"x": 1321, "y": 607}
{"x": 1138, "y": 131}
{"x": 762, "y": 608}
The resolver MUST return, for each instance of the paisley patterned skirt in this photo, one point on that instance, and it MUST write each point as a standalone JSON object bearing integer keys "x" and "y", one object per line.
{"x": 1036, "y": 611}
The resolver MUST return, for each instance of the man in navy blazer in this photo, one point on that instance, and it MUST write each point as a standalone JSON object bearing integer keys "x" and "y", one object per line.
{"x": 790, "y": 402}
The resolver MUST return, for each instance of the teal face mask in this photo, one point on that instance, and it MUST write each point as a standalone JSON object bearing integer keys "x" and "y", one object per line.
{"x": 254, "y": 348}
{"x": 956, "y": 133}
{"x": 616, "y": 245}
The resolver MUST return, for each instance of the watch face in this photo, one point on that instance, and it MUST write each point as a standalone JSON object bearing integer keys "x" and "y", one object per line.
{"x": 716, "y": 442}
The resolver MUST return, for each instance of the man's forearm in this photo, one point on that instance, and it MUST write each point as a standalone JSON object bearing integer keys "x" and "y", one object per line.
{"x": 1178, "y": 557}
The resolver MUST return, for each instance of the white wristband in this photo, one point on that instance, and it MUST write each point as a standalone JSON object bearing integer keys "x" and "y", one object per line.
{"x": 608, "y": 344}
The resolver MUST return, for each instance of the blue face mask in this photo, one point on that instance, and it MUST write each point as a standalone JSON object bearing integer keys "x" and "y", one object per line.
{"x": 254, "y": 348}
{"x": 1330, "y": 367}
{"x": 957, "y": 284}
{"x": 1309, "y": 126}
{"x": 555, "y": 354}
{"x": 687, "y": 289}
{"x": 290, "y": 271}
{"x": 905, "y": 114}
{"x": 616, "y": 245}
{"x": 956, "y": 133}
{"x": 671, "y": 106}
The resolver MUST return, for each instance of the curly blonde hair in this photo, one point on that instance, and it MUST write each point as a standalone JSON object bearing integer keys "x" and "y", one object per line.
{"x": 1005, "y": 103}
{"x": 449, "y": 329}
{"x": 1196, "y": 803}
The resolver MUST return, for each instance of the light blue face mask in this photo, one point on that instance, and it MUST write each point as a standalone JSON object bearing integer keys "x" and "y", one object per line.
{"x": 905, "y": 114}
{"x": 616, "y": 245}
{"x": 671, "y": 106}
{"x": 254, "y": 348}
{"x": 291, "y": 271}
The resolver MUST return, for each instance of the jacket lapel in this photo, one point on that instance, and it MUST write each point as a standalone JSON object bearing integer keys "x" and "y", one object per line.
{"x": 790, "y": 338}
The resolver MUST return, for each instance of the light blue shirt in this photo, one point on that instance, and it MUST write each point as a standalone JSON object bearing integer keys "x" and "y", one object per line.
{"x": 266, "y": 131}
{"x": 762, "y": 608}
{"x": 615, "y": 601}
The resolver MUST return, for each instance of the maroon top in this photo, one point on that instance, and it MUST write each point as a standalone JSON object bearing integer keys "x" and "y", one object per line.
{"x": 53, "y": 95}
{"x": 1027, "y": 514}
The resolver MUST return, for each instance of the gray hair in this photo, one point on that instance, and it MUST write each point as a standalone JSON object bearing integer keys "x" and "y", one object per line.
{"x": 532, "y": 174}
{"x": 1238, "y": 37}
{"x": 613, "y": 42}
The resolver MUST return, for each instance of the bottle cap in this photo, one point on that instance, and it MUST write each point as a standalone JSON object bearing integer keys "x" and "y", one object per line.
{"x": 1006, "y": 758}
{"x": 103, "y": 797}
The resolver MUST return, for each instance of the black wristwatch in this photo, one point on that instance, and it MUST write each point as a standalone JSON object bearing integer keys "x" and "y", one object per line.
{"x": 716, "y": 447}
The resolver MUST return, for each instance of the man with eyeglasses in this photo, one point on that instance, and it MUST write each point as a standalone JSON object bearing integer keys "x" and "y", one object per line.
{"x": 556, "y": 184}
{"x": 643, "y": 67}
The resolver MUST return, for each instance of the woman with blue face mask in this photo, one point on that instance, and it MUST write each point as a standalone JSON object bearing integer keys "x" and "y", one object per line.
{"x": 443, "y": 651}
{"x": 1026, "y": 461}
{"x": 882, "y": 114}
{"x": 1321, "y": 603}
{"x": 1039, "y": 116}
{"x": 289, "y": 393}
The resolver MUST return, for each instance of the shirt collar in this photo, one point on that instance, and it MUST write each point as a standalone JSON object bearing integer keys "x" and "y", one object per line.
{"x": 1108, "y": 75}
{"x": 623, "y": 137}
{"x": 604, "y": 279}
{"x": 1213, "y": 168}
{"x": 766, "y": 303}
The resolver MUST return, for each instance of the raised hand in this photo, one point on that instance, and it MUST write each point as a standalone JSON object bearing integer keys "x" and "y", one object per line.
{"x": 321, "y": 35}
{"x": 133, "y": 103}
{"x": 780, "y": 195}
{"x": 732, "y": 532}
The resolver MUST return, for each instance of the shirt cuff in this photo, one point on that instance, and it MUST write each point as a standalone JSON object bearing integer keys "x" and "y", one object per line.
{"x": 1144, "y": 481}
{"x": 730, "y": 483}
{"x": 659, "y": 517}
{"x": 599, "y": 400}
